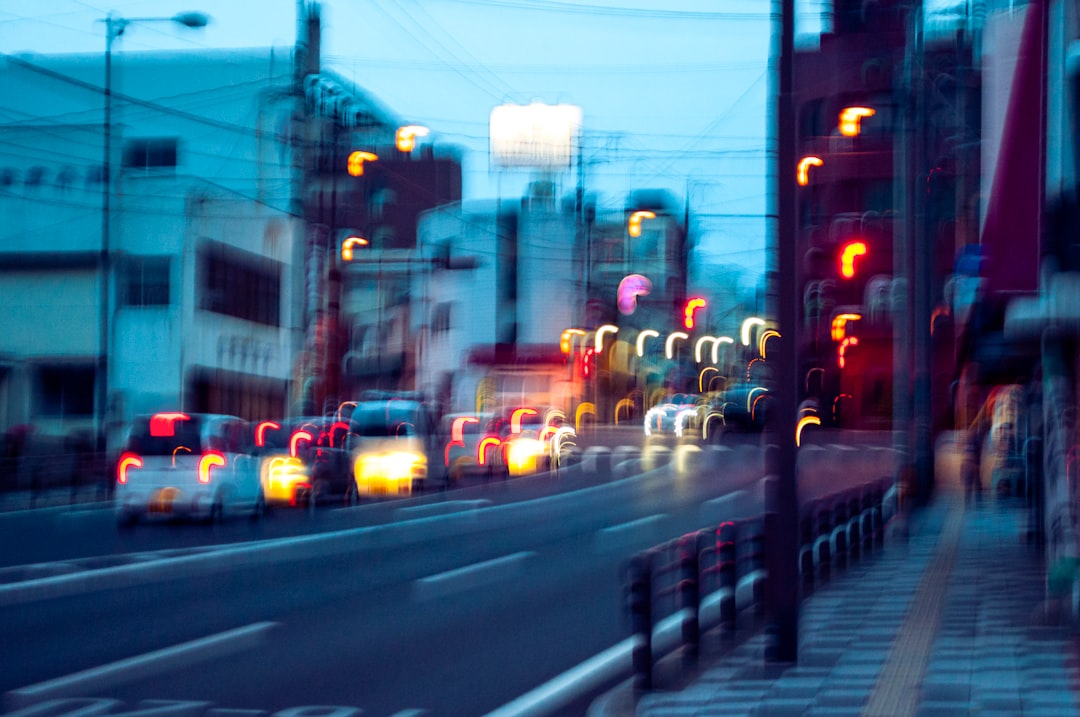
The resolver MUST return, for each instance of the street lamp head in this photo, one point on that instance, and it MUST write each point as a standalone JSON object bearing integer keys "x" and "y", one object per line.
{"x": 191, "y": 19}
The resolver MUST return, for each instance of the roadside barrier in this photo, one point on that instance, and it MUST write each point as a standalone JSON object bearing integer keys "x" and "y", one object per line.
{"x": 678, "y": 590}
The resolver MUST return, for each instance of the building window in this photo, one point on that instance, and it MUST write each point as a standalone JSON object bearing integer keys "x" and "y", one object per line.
{"x": 144, "y": 281}
{"x": 150, "y": 153}
{"x": 240, "y": 284}
{"x": 440, "y": 318}
{"x": 35, "y": 177}
{"x": 65, "y": 390}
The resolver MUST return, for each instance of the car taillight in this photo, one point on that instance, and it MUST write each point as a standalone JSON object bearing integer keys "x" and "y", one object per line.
{"x": 208, "y": 461}
{"x": 127, "y": 462}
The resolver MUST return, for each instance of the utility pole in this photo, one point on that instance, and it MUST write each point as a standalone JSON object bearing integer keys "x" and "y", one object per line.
{"x": 782, "y": 501}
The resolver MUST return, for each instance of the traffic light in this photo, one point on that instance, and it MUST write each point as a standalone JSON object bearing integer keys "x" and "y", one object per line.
{"x": 692, "y": 305}
{"x": 588, "y": 362}
{"x": 849, "y": 254}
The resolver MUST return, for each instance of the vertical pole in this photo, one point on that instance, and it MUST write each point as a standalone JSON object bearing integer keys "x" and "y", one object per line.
{"x": 104, "y": 260}
{"x": 782, "y": 553}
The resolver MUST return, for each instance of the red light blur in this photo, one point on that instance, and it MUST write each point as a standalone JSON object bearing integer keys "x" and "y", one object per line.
{"x": 127, "y": 461}
{"x": 335, "y": 427}
{"x": 161, "y": 424}
{"x": 260, "y": 432}
{"x": 295, "y": 439}
{"x": 517, "y": 415}
{"x": 688, "y": 312}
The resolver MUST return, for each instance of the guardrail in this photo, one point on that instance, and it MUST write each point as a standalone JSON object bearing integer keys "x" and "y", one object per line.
{"x": 680, "y": 589}
{"x": 41, "y": 480}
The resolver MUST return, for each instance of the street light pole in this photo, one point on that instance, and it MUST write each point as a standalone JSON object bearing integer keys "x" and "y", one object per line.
{"x": 114, "y": 27}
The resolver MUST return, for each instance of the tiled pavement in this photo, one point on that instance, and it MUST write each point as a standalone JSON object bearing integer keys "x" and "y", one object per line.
{"x": 951, "y": 620}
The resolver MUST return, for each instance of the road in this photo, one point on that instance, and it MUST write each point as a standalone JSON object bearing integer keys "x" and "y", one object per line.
{"x": 453, "y": 604}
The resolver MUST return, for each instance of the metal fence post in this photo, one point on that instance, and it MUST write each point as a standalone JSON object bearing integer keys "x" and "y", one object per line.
{"x": 689, "y": 596}
{"x": 639, "y": 602}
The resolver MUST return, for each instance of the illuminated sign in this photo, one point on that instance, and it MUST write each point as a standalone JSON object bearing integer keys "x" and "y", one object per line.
{"x": 536, "y": 135}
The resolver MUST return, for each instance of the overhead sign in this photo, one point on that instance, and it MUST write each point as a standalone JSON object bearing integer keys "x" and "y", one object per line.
{"x": 536, "y": 135}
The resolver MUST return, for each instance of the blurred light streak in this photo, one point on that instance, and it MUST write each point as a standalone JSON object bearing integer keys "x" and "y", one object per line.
{"x": 600, "y": 332}
{"x": 566, "y": 341}
{"x": 209, "y": 460}
{"x": 692, "y": 306}
{"x": 669, "y": 348}
{"x": 633, "y": 226}
{"x": 161, "y": 424}
{"x": 295, "y": 439}
{"x": 355, "y": 165}
{"x": 847, "y": 258}
{"x": 585, "y": 408}
{"x": 851, "y": 120}
{"x": 802, "y": 174}
{"x": 260, "y": 432}
{"x": 630, "y": 288}
{"x": 701, "y": 374}
{"x": 765, "y": 336}
{"x": 803, "y": 423}
{"x": 839, "y": 325}
{"x": 127, "y": 462}
{"x": 644, "y": 334}
{"x": 747, "y": 325}
{"x": 405, "y": 138}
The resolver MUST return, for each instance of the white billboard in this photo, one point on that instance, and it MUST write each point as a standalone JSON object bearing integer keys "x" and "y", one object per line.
{"x": 535, "y": 135}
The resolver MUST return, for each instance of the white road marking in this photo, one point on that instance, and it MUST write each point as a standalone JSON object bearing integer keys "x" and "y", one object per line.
{"x": 615, "y": 536}
{"x": 470, "y": 576}
{"x": 410, "y": 713}
{"x": 139, "y": 667}
{"x": 443, "y": 508}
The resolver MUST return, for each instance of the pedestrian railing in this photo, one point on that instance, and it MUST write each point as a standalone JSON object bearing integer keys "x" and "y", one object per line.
{"x": 678, "y": 590}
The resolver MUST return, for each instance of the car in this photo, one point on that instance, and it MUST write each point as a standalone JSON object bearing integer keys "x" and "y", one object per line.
{"x": 676, "y": 417}
{"x": 391, "y": 445}
{"x": 461, "y": 435}
{"x": 529, "y": 439}
{"x": 303, "y": 460}
{"x": 177, "y": 465}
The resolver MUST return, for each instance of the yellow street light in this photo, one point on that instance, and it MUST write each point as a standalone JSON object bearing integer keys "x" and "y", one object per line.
{"x": 356, "y": 162}
{"x": 802, "y": 174}
{"x": 347, "y": 247}
{"x": 566, "y": 341}
{"x": 634, "y": 225}
{"x": 851, "y": 120}
{"x": 406, "y": 136}
{"x": 839, "y": 325}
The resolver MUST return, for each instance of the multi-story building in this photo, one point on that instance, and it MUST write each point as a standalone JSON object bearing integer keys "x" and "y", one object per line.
{"x": 502, "y": 283}
{"x": 159, "y": 276}
{"x": 195, "y": 265}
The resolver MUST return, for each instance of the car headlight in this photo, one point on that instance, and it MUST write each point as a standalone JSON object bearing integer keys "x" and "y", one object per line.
{"x": 396, "y": 466}
{"x": 523, "y": 452}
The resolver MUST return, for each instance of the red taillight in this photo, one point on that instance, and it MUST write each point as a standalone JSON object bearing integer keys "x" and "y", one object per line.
{"x": 208, "y": 461}
{"x": 294, "y": 442}
{"x": 481, "y": 450}
{"x": 260, "y": 431}
{"x": 161, "y": 424}
{"x": 127, "y": 462}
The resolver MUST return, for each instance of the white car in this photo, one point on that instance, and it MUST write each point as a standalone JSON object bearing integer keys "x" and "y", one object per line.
{"x": 187, "y": 466}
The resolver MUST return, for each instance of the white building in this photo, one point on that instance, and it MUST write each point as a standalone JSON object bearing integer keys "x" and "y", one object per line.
{"x": 206, "y": 307}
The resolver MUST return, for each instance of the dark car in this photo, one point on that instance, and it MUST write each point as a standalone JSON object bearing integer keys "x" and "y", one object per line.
{"x": 304, "y": 461}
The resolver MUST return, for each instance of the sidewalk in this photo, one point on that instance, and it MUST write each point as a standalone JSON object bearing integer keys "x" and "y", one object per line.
{"x": 951, "y": 621}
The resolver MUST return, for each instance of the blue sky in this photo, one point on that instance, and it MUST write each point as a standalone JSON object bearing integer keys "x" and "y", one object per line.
{"x": 673, "y": 94}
